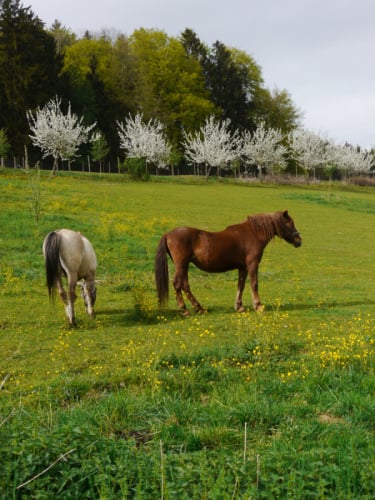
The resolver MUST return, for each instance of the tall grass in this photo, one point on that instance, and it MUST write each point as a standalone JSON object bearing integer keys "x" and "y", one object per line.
{"x": 142, "y": 403}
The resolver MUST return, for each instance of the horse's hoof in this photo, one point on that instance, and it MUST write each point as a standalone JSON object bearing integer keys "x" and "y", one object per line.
{"x": 184, "y": 312}
{"x": 241, "y": 309}
{"x": 260, "y": 308}
{"x": 200, "y": 310}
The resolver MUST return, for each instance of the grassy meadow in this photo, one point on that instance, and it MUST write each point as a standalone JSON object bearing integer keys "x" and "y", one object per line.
{"x": 141, "y": 403}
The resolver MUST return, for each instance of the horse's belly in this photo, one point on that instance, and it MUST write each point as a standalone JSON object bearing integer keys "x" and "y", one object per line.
{"x": 215, "y": 255}
{"x": 219, "y": 266}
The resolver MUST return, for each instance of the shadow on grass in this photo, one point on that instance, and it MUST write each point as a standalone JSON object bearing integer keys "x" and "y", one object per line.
{"x": 321, "y": 306}
{"x": 134, "y": 317}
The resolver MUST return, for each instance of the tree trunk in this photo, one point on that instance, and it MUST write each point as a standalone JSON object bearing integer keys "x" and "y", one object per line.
{"x": 208, "y": 170}
{"x": 26, "y": 157}
{"x": 55, "y": 166}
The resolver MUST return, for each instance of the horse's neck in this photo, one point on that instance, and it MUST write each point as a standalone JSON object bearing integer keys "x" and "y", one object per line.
{"x": 264, "y": 226}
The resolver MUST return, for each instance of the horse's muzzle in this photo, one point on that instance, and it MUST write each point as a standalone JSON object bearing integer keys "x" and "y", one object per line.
{"x": 297, "y": 240}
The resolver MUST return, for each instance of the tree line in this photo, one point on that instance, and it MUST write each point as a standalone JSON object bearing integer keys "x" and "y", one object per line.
{"x": 214, "y": 145}
{"x": 151, "y": 99}
{"x": 106, "y": 77}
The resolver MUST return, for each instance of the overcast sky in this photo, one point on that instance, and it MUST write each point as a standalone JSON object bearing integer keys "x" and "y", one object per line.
{"x": 320, "y": 51}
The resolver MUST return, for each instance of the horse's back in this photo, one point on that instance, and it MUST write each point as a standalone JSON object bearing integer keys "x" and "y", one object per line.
{"x": 89, "y": 260}
{"x": 210, "y": 251}
{"x": 182, "y": 240}
{"x": 76, "y": 253}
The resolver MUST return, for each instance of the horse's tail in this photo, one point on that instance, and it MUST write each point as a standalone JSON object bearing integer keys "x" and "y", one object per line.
{"x": 161, "y": 272}
{"x": 51, "y": 250}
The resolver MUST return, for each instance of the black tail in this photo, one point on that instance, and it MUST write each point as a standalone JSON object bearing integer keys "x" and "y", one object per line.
{"x": 161, "y": 272}
{"x": 52, "y": 261}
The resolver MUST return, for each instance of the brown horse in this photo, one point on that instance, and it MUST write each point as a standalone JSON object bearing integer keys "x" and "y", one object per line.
{"x": 239, "y": 247}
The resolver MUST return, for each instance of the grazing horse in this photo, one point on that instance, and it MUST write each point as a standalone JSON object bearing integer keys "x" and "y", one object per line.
{"x": 69, "y": 253}
{"x": 239, "y": 247}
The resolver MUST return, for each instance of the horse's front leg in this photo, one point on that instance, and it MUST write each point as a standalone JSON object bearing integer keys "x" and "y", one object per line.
{"x": 89, "y": 295}
{"x": 238, "y": 306}
{"x": 253, "y": 275}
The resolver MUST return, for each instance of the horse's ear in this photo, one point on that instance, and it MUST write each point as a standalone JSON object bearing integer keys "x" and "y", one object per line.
{"x": 285, "y": 214}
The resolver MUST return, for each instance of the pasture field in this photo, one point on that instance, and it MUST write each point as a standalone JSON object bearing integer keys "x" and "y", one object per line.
{"x": 141, "y": 403}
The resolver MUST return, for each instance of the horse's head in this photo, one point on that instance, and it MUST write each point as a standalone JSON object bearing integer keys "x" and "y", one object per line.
{"x": 287, "y": 230}
{"x": 85, "y": 291}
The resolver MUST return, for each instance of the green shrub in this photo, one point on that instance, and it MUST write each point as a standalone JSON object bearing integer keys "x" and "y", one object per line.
{"x": 137, "y": 169}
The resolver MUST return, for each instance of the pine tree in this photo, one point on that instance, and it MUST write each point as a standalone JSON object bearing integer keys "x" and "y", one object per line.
{"x": 30, "y": 67}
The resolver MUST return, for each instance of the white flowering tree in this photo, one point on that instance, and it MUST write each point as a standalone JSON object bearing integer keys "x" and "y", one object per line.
{"x": 264, "y": 148}
{"x": 214, "y": 145}
{"x": 145, "y": 141}
{"x": 310, "y": 150}
{"x": 351, "y": 160}
{"x": 57, "y": 134}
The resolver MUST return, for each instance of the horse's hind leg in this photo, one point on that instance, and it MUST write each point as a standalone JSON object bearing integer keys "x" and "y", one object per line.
{"x": 61, "y": 290}
{"x": 69, "y": 306}
{"x": 67, "y": 298}
{"x": 177, "y": 285}
{"x": 190, "y": 296}
{"x": 181, "y": 283}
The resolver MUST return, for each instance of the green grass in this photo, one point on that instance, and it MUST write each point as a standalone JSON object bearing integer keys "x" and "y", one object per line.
{"x": 141, "y": 403}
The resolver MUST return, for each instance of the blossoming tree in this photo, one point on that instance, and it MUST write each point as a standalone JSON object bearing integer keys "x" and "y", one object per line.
{"x": 214, "y": 145}
{"x": 264, "y": 148}
{"x": 351, "y": 160}
{"x": 57, "y": 134}
{"x": 309, "y": 149}
{"x": 145, "y": 141}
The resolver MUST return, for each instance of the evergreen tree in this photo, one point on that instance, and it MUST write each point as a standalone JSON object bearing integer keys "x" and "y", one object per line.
{"x": 194, "y": 47}
{"x": 4, "y": 146}
{"x": 228, "y": 78}
{"x": 30, "y": 69}
{"x": 228, "y": 86}
{"x": 64, "y": 37}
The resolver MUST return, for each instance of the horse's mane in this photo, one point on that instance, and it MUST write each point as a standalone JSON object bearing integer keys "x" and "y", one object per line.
{"x": 265, "y": 225}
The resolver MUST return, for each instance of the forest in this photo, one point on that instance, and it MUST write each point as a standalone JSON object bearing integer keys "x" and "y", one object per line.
{"x": 107, "y": 77}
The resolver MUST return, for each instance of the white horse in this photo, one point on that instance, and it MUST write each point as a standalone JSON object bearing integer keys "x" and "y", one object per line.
{"x": 69, "y": 253}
